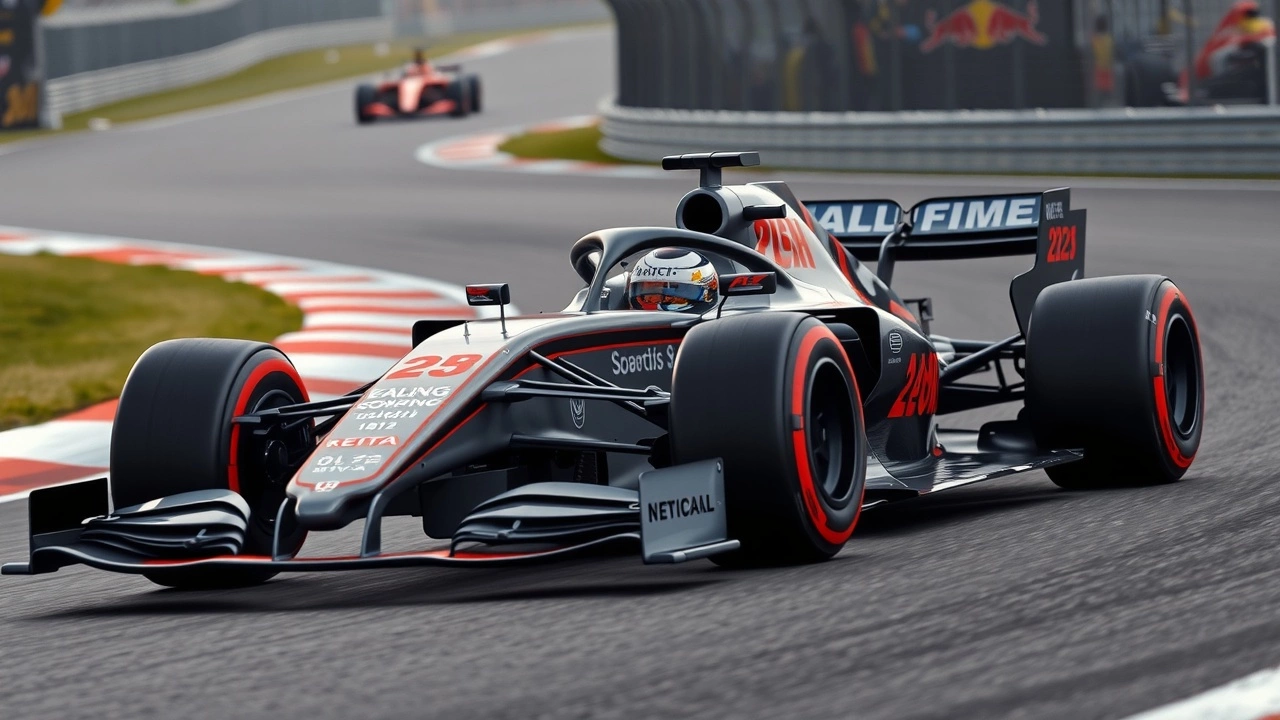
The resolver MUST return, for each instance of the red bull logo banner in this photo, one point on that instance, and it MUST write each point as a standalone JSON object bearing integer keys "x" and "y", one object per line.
{"x": 982, "y": 25}
{"x": 990, "y": 54}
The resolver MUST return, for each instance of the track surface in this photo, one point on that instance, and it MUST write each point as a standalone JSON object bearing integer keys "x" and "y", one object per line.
{"x": 1010, "y": 599}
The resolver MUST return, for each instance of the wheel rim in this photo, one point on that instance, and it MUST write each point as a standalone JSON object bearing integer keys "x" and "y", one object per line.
{"x": 1181, "y": 377}
{"x": 828, "y": 424}
{"x": 270, "y": 459}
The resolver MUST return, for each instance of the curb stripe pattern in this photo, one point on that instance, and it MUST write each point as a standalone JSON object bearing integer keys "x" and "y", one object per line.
{"x": 480, "y": 152}
{"x": 356, "y": 325}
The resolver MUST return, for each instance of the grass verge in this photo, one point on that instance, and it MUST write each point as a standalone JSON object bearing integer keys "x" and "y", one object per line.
{"x": 581, "y": 144}
{"x": 71, "y": 328}
{"x": 300, "y": 69}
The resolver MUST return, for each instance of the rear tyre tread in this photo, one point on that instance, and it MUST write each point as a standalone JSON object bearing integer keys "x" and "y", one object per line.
{"x": 1114, "y": 367}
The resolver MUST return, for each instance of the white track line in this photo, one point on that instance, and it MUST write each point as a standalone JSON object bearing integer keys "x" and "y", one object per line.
{"x": 1255, "y": 697}
{"x": 83, "y": 443}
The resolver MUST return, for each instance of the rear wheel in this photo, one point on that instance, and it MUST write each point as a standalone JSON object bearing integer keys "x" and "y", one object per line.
{"x": 473, "y": 82}
{"x": 774, "y": 396}
{"x": 1114, "y": 367}
{"x": 365, "y": 95}
{"x": 173, "y": 434}
{"x": 460, "y": 93}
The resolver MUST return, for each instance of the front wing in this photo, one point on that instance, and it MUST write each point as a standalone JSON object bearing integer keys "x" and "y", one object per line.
{"x": 59, "y": 537}
{"x": 145, "y": 542}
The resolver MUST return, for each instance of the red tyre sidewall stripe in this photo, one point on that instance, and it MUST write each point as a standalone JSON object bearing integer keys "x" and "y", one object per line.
{"x": 1162, "y": 405}
{"x": 800, "y": 446}
{"x": 255, "y": 378}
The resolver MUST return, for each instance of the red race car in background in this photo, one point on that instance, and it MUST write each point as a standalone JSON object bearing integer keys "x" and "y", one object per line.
{"x": 421, "y": 90}
{"x": 1230, "y": 66}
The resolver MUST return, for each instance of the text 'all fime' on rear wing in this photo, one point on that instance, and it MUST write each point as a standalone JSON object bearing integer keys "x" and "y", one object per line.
{"x": 976, "y": 226}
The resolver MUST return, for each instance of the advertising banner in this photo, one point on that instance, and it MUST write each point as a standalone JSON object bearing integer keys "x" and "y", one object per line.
{"x": 19, "y": 70}
{"x": 983, "y": 54}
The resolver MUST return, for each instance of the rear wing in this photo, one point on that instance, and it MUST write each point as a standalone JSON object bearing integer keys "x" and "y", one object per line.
{"x": 939, "y": 228}
{"x": 975, "y": 226}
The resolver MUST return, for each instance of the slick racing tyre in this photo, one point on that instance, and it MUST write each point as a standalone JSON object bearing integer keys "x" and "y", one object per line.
{"x": 365, "y": 94}
{"x": 459, "y": 91}
{"x": 477, "y": 92}
{"x": 774, "y": 396}
{"x": 1114, "y": 367}
{"x": 173, "y": 434}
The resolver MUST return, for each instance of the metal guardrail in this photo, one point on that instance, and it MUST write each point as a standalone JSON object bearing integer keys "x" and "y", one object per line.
{"x": 91, "y": 89}
{"x": 1149, "y": 141}
{"x": 108, "y": 37}
{"x": 441, "y": 17}
{"x": 99, "y": 55}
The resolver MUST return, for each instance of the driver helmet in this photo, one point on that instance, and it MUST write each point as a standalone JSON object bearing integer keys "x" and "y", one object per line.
{"x": 673, "y": 279}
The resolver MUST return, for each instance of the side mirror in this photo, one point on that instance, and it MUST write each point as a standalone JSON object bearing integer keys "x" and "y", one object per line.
{"x": 493, "y": 294}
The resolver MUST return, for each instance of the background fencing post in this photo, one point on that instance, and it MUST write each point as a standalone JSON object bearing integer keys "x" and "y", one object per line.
{"x": 1188, "y": 20}
{"x": 1272, "y": 67}
{"x": 895, "y": 57}
{"x": 1271, "y": 73}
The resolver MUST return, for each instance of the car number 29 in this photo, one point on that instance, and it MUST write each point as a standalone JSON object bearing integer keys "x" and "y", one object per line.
{"x": 453, "y": 365}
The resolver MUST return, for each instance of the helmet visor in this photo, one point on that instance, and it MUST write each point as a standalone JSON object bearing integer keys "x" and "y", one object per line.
{"x": 657, "y": 292}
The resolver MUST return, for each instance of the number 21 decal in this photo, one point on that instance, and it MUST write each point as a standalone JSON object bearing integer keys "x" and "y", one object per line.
{"x": 453, "y": 365}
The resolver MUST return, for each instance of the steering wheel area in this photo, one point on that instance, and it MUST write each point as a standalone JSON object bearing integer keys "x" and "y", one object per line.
{"x": 595, "y": 255}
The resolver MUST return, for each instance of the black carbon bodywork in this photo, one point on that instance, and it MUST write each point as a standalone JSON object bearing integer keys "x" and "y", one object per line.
{"x": 535, "y": 430}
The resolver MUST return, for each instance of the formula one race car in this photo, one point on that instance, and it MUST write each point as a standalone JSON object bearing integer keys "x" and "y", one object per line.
{"x": 754, "y": 432}
{"x": 422, "y": 90}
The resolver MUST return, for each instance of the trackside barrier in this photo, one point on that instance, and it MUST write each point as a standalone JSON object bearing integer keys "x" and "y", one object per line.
{"x": 102, "y": 54}
{"x": 99, "y": 87}
{"x": 442, "y": 17}
{"x": 1242, "y": 140}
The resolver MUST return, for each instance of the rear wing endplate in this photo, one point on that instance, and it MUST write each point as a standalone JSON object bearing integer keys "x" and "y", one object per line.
{"x": 975, "y": 226}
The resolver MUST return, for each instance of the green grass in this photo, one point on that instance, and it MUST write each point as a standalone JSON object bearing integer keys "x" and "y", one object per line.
{"x": 71, "y": 328}
{"x": 581, "y": 144}
{"x": 310, "y": 67}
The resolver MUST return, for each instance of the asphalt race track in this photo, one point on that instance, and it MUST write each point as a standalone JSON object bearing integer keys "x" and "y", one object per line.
{"x": 1008, "y": 599}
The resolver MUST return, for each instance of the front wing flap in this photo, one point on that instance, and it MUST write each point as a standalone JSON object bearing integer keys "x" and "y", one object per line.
{"x": 63, "y": 520}
{"x": 51, "y": 558}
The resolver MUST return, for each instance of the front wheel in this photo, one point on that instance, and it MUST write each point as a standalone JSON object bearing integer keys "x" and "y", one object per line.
{"x": 1114, "y": 368}
{"x": 174, "y": 434}
{"x": 774, "y": 396}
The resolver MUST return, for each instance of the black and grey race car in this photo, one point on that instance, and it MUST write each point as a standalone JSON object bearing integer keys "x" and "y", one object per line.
{"x": 756, "y": 433}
